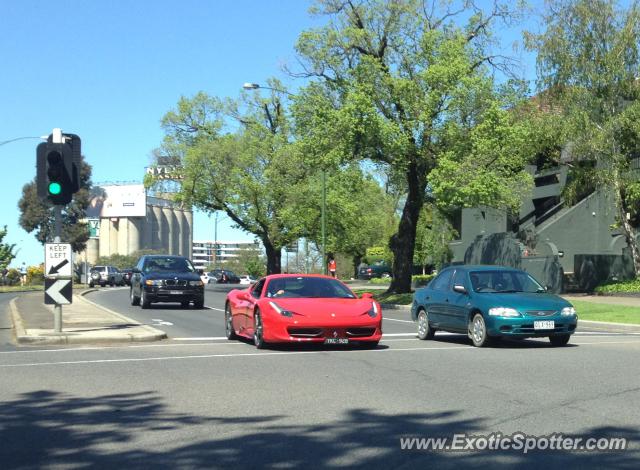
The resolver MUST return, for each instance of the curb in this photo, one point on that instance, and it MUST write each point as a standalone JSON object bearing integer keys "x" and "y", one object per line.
{"x": 395, "y": 307}
{"x": 22, "y": 337}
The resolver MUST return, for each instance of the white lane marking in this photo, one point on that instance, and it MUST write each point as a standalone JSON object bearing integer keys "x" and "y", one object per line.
{"x": 606, "y": 342}
{"x": 387, "y": 335}
{"x": 210, "y": 356}
{"x": 395, "y": 319}
{"x": 204, "y": 338}
{"x": 214, "y": 308}
{"x": 159, "y": 322}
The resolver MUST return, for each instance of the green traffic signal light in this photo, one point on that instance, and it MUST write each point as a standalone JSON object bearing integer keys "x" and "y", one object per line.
{"x": 54, "y": 188}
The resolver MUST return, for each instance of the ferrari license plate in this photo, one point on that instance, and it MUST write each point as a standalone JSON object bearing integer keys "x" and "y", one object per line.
{"x": 336, "y": 341}
{"x": 544, "y": 325}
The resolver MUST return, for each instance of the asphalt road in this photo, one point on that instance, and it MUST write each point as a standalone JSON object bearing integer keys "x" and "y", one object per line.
{"x": 195, "y": 324}
{"x": 209, "y": 403}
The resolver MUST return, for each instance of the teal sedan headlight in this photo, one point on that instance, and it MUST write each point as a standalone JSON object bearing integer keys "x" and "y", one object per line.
{"x": 568, "y": 312}
{"x": 154, "y": 282}
{"x": 503, "y": 312}
{"x": 196, "y": 283}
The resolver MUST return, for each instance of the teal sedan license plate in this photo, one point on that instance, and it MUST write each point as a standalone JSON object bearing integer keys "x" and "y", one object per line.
{"x": 336, "y": 341}
{"x": 544, "y": 325}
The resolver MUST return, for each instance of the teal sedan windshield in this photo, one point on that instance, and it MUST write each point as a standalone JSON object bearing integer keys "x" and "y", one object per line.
{"x": 504, "y": 281}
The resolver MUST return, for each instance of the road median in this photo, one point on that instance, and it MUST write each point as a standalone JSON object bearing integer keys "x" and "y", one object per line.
{"x": 83, "y": 322}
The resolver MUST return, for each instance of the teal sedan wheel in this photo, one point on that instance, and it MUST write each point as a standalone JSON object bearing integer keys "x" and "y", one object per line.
{"x": 478, "y": 331}
{"x": 424, "y": 329}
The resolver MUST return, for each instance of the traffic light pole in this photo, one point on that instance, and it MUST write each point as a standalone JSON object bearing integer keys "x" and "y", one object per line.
{"x": 57, "y": 310}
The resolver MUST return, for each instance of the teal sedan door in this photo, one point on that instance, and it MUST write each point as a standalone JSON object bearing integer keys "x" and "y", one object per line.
{"x": 458, "y": 301}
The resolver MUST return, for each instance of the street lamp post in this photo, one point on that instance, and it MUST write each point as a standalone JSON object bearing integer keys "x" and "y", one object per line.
{"x": 323, "y": 218}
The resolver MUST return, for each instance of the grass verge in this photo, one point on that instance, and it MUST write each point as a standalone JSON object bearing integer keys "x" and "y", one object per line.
{"x": 384, "y": 298}
{"x": 607, "y": 313}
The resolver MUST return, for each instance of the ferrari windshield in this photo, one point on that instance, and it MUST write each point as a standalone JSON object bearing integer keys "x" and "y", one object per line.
{"x": 309, "y": 287}
{"x": 504, "y": 281}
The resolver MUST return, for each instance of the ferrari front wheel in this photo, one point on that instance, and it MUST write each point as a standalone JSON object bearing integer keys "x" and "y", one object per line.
{"x": 258, "y": 330}
{"x": 228, "y": 321}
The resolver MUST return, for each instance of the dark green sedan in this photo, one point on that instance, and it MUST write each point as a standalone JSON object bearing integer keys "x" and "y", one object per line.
{"x": 491, "y": 302}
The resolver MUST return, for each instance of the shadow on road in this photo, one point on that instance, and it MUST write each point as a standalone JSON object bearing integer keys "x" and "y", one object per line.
{"x": 49, "y": 429}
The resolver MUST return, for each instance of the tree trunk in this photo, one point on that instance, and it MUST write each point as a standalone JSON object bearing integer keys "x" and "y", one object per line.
{"x": 629, "y": 232}
{"x": 357, "y": 259}
{"x": 402, "y": 243}
{"x": 274, "y": 257}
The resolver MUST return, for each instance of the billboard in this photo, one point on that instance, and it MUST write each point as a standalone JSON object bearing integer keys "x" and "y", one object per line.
{"x": 117, "y": 201}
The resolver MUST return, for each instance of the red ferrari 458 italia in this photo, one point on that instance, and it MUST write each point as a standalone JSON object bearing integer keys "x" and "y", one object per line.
{"x": 291, "y": 308}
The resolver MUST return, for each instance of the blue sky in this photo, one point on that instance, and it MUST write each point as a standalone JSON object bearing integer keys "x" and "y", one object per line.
{"x": 109, "y": 70}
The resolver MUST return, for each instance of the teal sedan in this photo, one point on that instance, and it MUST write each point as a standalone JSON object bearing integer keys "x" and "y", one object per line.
{"x": 491, "y": 302}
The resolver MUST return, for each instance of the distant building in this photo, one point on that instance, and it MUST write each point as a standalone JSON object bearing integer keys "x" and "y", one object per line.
{"x": 563, "y": 245}
{"x": 123, "y": 219}
{"x": 210, "y": 253}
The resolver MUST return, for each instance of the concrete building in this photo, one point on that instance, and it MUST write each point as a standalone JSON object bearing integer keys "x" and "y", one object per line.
{"x": 123, "y": 220}
{"x": 210, "y": 253}
{"x": 563, "y": 245}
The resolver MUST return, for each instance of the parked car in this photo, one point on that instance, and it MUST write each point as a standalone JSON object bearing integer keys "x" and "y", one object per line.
{"x": 126, "y": 275}
{"x": 294, "y": 308}
{"x": 370, "y": 271}
{"x": 246, "y": 280}
{"x": 223, "y": 276}
{"x": 491, "y": 302}
{"x": 166, "y": 278}
{"x": 103, "y": 275}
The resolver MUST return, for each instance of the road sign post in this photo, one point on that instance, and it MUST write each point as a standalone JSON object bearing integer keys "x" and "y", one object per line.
{"x": 58, "y": 282}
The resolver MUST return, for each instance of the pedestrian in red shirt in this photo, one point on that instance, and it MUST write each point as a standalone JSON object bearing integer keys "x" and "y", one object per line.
{"x": 332, "y": 266}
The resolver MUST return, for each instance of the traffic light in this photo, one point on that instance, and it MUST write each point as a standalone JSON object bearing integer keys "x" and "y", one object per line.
{"x": 57, "y": 175}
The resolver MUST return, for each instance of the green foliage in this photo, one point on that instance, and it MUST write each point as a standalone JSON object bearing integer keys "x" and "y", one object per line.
{"x": 407, "y": 88}
{"x": 619, "y": 287}
{"x": 588, "y": 61}
{"x": 35, "y": 275}
{"x": 38, "y": 216}
{"x": 422, "y": 279}
{"x": 252, "y": 173}
{"x": 375, "y": 254}
{"x": 6, "y": 250}
{"x": 358, "y": 212}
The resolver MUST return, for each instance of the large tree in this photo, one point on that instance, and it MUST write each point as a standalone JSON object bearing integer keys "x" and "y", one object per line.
{"x": 588, "y": 64}
{"x": 238, "y": 156}
{"x": 37, "y": 215}
{"x": 402, "y": 84}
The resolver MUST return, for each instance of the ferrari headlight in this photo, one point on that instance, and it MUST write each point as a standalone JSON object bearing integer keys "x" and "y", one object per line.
{"x": 280, "y": 310}
{"x": 568, "y": 312}
{"x": 154, "y": 282}
{"x": 196, "y": 283}
{"x": 373, "y": 311}
{"x": 503, "y": 312}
